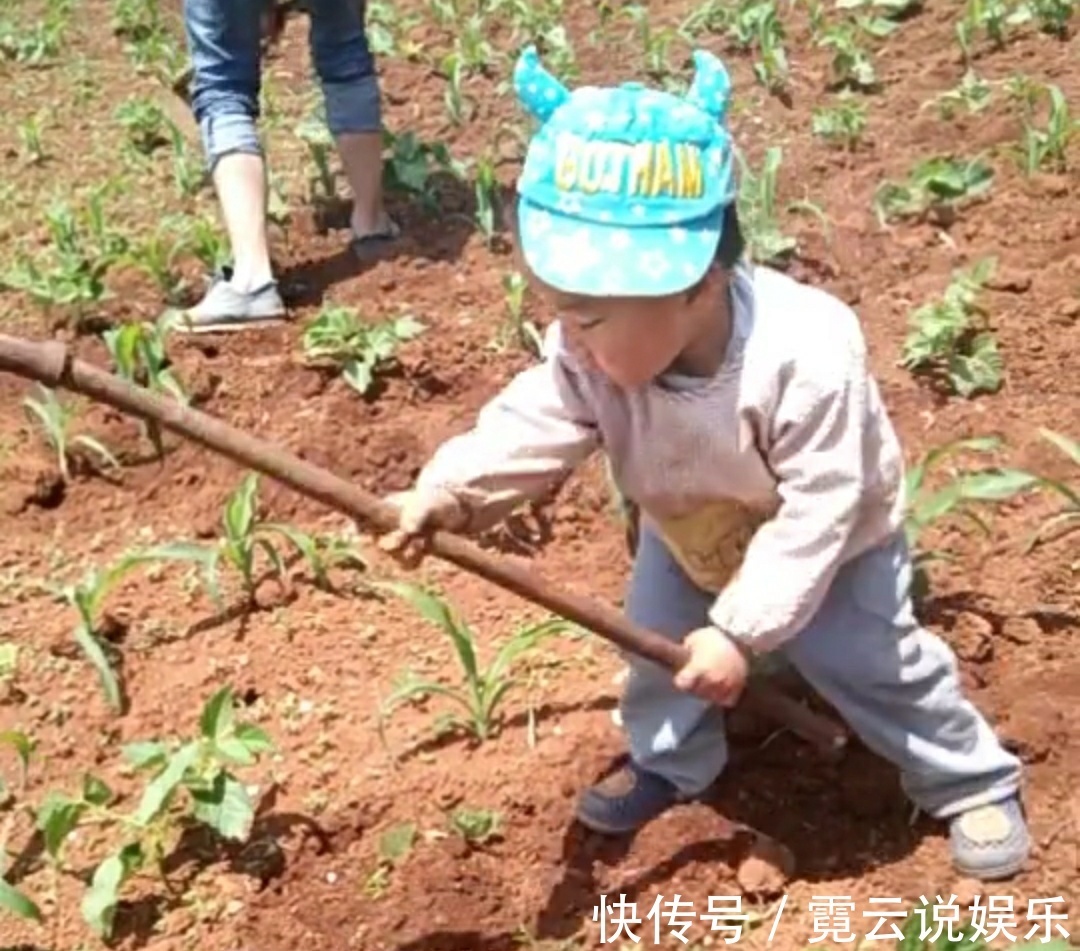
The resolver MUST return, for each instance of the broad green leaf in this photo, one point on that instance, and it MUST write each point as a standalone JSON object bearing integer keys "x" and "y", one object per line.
{"x": 159, "y": 791}
{"x": 254, "y": 738}
{"x": 395, "y": 842}
{"x": 56, "y": 819}
{"x": 143, "y": 755}
{"x": 359, "y": 374}
{"x": 15, "y": 902}
{"x": 235, "y": 751}
{"x": 99, "y": 903}
{"x": 95, "y": 791}
{"x": 226, "y": 807}
{"x": 94, "y": 652}
{"x": 219, "y": 715}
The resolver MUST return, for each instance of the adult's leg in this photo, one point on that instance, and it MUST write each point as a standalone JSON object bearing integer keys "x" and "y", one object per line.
{"x": 223, "y": 38}
{"x": 346, "y": 70}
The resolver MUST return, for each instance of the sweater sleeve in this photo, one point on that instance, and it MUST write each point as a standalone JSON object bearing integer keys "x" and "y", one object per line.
{"x": 526, "y": 441}
{"x": 817, "y": 456}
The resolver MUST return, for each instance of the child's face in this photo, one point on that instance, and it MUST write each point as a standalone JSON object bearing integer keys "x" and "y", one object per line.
{"x": 633, "y": 340}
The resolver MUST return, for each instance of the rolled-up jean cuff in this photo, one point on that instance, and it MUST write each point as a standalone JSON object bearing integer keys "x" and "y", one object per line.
{"x": 354, "y": 105}
{"x": 226, "y": 133}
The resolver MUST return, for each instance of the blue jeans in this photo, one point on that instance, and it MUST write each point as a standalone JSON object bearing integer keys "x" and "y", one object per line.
{"x": 224, "y": 41}
{"x": 893, "y": 681}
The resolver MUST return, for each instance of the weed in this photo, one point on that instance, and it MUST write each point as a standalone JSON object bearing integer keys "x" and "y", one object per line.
{"x": 483, "y": 690}
{"x": 394, "y": 844}
{"x": 936, "y": 185}
{"x": 55, "y": 419}
{"x": 360, "y": 349}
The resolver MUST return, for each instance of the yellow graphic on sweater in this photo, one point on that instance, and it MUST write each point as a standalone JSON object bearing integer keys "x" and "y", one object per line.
{"x": 710, "y": 543}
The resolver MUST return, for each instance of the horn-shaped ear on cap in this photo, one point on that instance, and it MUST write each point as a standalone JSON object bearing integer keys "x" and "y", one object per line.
{"x": 711, "y": 89}
{"x": 539, "y": 91}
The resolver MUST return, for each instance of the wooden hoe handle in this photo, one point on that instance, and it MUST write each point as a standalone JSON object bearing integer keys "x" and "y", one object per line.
{"x": 50, "y": 364}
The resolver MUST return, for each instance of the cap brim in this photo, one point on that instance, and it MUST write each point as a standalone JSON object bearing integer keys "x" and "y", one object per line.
{"x": 610, "y": 260}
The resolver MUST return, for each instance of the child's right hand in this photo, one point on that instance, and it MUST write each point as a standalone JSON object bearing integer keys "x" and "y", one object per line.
{"x": 421, "y": 512}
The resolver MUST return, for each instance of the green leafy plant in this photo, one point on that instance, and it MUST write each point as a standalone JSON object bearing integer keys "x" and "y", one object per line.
{"x": 944, "y": 342}
{"x": 1067, "y": 520}
{"x": 1046, "y": 147}
{"x": 12, "y": 801}
{"x": 972, "y": 94}
{"x": 992, "y": 18}
{"x": 524, "y": 330}
{"x": 359, "y": 349}
{"x": 138, "y": 351}
{"x": 958, "y": 496}
{"x": 88, "y": 598}
{"x": 244, "y": 536}
{"x": 476, "y": 826}
{"x": 486, "y": 190}
{"x": 852, "y": 65}
{"x": 757, "y": 205}
{"x": 937, "y": 185}
{"x": 145, "y": 125}
{"x": 1054, "y": 16}
{"x": 394, "y": 844}
{"x": 33, "y": 149}
{"x": 483, "y": 689}
{"x": 55, "y": 419}
{"x": 315, "y": 134}
{"x": 842, "y": 124}
{"x": 190, "y": 781}
{"x": 411, "y": 165}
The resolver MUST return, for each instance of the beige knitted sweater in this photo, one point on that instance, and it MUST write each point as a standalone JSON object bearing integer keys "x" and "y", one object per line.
{"x": 763, "y": 479}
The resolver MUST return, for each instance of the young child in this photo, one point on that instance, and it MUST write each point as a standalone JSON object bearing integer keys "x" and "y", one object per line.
{"x": 738, "y": 413}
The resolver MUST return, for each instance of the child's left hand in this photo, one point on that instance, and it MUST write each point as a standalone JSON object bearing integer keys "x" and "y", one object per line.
{"x": 717, "y": 669}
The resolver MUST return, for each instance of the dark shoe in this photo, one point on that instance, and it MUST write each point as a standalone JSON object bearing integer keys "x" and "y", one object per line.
{"x": 365, "y": 245}
{"x": 626, "y": 800}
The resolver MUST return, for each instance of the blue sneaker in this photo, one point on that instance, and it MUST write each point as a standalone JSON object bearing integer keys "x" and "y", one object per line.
{"x": 626, "y": 800}
{"x": 990, "y": 842}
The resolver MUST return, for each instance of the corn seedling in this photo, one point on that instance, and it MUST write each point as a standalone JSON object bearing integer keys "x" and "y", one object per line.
{"x": 471, "y": 47}
{"x": 758, "y": 209}
{"x": 655, "y": 43}
{"x": 1062, "y": 523}
{"x": 33, "y": 44}
{"x": 360, "y": 349}
{"x": 244, "y": 536}
{"x": 55, "y": 419}
{"x": 842, "y": 124}
{"x": 193, "y": 781}
{"x": 1046, "y": 147}
{"x": 992, "y": 18}
{"x": 476, "y": 826}
{"x": 13, "y": 801}
{"x": 88, "y": 597}
{"x": 944, "y": 342}
{"x": 33, "y": 149}
{"x": 526, "y": 332}
{"x": 710, "y": 16}
{"x": 957, "y": 497}
{"x": 159, "y": 253}
{"x": 138, "y": 351}
{"x": 189, "y": 171}
{"x": 852, "y": 66}
{"x": 459, "y": 107}
{"x": 486, "y": 190}
{"x": 483, "y": 689}
{"x": 388, "y": 29}
{"x": 972, "y": 94}
{"x": 559, "y": 52}
{"x": 937, "y": 185}
{"x": 208, "y": 243}
{"x": 145, "y": 125}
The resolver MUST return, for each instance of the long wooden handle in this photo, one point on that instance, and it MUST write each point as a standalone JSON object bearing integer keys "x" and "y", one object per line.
{"x": 50, "y": 364}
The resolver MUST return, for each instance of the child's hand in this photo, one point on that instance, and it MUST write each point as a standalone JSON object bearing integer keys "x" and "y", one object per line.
{"x": 420, "y": 513}
{"x": 717, "y": 669}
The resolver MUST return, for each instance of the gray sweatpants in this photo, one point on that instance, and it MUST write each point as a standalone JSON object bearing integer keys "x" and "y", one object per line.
{"x": 894, "y": 683}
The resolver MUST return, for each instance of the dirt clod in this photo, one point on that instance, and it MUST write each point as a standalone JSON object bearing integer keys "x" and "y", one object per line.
{"x": 765, "y": 869}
